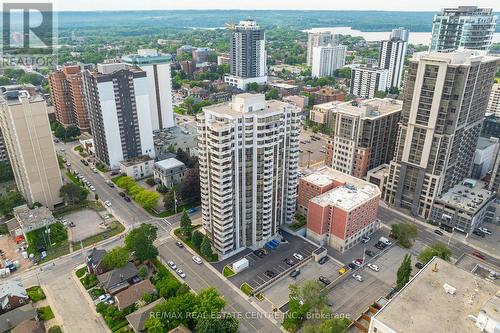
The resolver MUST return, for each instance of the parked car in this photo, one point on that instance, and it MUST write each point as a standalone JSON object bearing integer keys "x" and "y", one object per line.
{"x": 259, "y": 253}
{"x": 373, "y": 267}
{"x": 92, "y": 188}
{"x": 352, "y": 266}
{"x": 289, "y": 262}
{"x": 344, "y": 269}
{"x": 479, "y": 233}
{"x": 172, "y": 265}
{"x": 419, "y": 265}
{"x": 295, "y": 273}
{"x": 270, "y": 273}
{"x": 438, "y": 232}
{"x": 107, "y": 203}
{"x": 114, "y": 173}
{"x": 122, "y": 194}
{"x": 180, "y": 273}
{"x": 323, "y": 260}
{"x": 365, "y": 239}
{"x": 197, "y": 260}
{"x": 479, "y": 255}
{"x": 380, "y": 246}
{"x": 298, "y": 256}
{"x": 358, "y": 262}
{"x": 324, "y": 280}
{"x": 486, "y": 231}
{"x": 192, "y": 210}
{"x": 369, "y": 253}
{"x": 127, "y": 199}
{"x": 94, "y": 170}
{"x": 357, "y": 277}
{"x": 179, "y": 244}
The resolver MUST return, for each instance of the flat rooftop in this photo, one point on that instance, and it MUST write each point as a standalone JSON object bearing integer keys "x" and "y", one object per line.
{"x": 469, "y": 195}
{"x": 259, "y": 106}
{"x": 351, "y": 194}
{"x": 27, "y": 216}
{"x": 459, "y": 57}
{"x": 424, "y": 306}
{"x": 284, "y": 85}
{"x": 381, "y": 170}
{"x": 484, "y": 143}
{"x": 371, "y": 108}
{"x": 326, "y": 106}
{"x": 136, "y": 160}
{"x": 169, "y": 163}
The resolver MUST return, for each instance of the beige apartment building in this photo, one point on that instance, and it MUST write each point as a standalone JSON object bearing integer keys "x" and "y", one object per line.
{"x": 25, "y": 126}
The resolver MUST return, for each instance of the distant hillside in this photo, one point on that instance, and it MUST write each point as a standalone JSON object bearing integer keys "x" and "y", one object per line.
{"x": 153, "y": 21}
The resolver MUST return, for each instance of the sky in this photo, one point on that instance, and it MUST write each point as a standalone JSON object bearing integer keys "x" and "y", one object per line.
{"x": 391, "y": 5}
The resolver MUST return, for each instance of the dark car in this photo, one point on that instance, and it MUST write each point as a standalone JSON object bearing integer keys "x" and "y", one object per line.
{"x": 369, "y": 253}
{"x": 270, "y": 273}
{"x": 289, "y": 262}
{"x": 352, "y": 266}
{"x": 122, "y": 194}
{"x": 259, "y": 253}
{"x": 479, "y": 255}
{"x": 114, "y": 173}
{"x": 179, "y": 244}
{"x": 478, "y": 232}
{"x": 295, "y": 273}
{"x": 323, "y": 260}
{"x": 324, "y": 280}
{"x": 380, "y": 245}
{"x": 419, "y": 265}
{"x": 127, "y": 199}
{"x": 438, "y": 232}
{"x": 446, "y": 228}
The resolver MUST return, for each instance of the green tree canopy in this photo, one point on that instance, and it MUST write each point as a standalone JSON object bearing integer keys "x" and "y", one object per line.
{"x": 6, "y": 172}
{"x": 73, "y": 193}
{"x": 223, "y": 324}
{"x": 197, "y": 239}
{"x": 404, "y": 272}
{"x": 8, "y": 201}
{"x": 185, "y": 223}
{"x": 405, "y": 233}
{"x": 140, "y": 241}
{"x": 435, "y": 250}
{"x": 117, "y": 257}
{"x": 208, "y": 301}
{"x": 206, "y": 247}
{"x": 169, "y": 200}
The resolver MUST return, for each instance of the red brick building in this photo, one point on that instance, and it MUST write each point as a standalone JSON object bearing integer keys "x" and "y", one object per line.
{"x": 341, "y": 209}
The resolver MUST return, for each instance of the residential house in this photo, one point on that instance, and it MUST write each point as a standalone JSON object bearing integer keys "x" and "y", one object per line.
{"x": 138, "y": 318}
{"x": 12, "y": 295}
{"x": 29, "y": 326}
{"x": 138, "y": 167}
{"x": 31, "y": 219}
{"x": 94, "y": 262}
{"x": 169, "y": 172}
{"x": 119, "y": 279}
{"x": 13, "y": 318}
{"x": 133, "y": 293}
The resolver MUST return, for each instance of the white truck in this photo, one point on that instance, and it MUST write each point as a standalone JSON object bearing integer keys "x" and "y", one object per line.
{"x": 385, "y": 241}
{"x": 240, "y": 265}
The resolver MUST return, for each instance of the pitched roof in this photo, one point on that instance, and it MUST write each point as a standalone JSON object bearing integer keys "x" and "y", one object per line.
{"x": 17, "y": 316}
{"x": 96, "y": 255}
{"x": 11, "y": 288}
{"x": 134, "y": 293}
{"x": 138, "y": 318}
{"x": 117, "y": 276}
{"x": 29, "y": 326}
{"x": 180, "y": 329}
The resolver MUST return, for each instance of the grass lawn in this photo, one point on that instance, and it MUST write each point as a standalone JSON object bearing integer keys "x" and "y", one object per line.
{"x": 45, "y": 313}
{"x": 35, "y": 293}
{"x": 300, "y": 221}
{"x": 96, "y": 292}
{"x": 89, "y": 281}
{"x": 56, "y": 251}
{"x": 178, "y": 233}
{"x": 80, "y": 272}
{"x": 245, "y": 287}
{"x": 228, "y": 272}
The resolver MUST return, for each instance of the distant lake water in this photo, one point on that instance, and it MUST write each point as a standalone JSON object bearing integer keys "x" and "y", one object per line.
{"x": 371, "y": 36}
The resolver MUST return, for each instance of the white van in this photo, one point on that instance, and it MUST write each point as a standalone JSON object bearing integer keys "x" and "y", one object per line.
{"x": 385, "y": 241}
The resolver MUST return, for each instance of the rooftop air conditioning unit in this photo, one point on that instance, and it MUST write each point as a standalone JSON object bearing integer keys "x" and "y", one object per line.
{"x": 449, "y": 289}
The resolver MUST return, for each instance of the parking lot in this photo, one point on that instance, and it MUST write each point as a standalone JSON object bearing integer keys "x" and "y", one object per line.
{"x": 255, "y": 275}
{"x": 315, "y": 146}
{"x": 86, "y": 224}
{"x": 277, "y": 294}
{"x": 352, "y": 297}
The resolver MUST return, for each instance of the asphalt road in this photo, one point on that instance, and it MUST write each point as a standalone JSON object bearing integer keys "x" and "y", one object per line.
{"x": 200, "y": 277}
{"x": 427, "y": 236}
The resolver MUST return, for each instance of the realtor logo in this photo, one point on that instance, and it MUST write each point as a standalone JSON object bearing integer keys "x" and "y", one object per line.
{"x": 27, "y": 28}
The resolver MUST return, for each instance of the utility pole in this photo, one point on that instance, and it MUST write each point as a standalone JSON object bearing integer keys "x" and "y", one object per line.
{"x": 175, "y": 202}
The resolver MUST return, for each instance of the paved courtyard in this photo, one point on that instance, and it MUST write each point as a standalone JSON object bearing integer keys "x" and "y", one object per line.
{"x": 86, "y": 224}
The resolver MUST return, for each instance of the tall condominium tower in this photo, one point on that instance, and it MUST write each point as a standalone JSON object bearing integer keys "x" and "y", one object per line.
{"x": 494, "y": 100}
{"x": 327, "y": 59}
{"x": 117, "y": 97}
{"x": 26, "y": 131}
{"x": 315, "y": 39}
{"x": 66, "y": 91}
{"x": 157, "y": 68}
{"x": 4, "y": 156}
{"x": 366, "y": 81}
{"x": 392, "y": 56}
{"x": 363, "y": 134}
{"x": 248, "y": 155}
{"x": 247, "y": 55}
{"x": 466, "y": 27}
{"x": 445, "y": 99}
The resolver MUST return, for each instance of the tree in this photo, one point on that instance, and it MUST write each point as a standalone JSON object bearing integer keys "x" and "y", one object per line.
{"x": 435, "y": 250}
{"x": 379, "y": 94}
{"x": 182, "y": 306}
{"x": 150, "y": 182}
{"x": 169, "y": 200}
{"x": 206, "y": 247}
{"x": 60, "y": 132}
{"x": 404, "y": 272}
{"x": 73, "y": 193}
{"x": 117, "y": 257}
{"x": 171, "y": 148}
{"x": 304, "y": 299}
{"x": 154, "y": 325}
{"x": 253, "y": 86}
{"x": 8, "y": 201}
{"x": 274, "y": 93}
{"x": 223, "y": 324}
{"x": 167, "y": 287}
{"x": 140, "y": 241}
{"x": 143, "y": 272}
{"x": 208, "y": 301}
{"x": 6, "y": 172}
{"x": 96, "y": 197}
{"x": 405, "y": 233}
{"x": 185, "y": 223}
{"x": 197, "y": 239}
{"x": 161, "y": 189}
{"x": 189, "y": 189}
{"x": 72, "y": 132}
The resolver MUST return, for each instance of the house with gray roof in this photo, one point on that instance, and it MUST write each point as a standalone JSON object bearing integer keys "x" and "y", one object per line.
{"x": 12, "y": 295}
{"x": 119, "y": 279}
{"x": 11, "y": 319}
{"x": 169, "y": 172}
{"x": 94, "y": 261}
{"x": 138, "y": 318}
